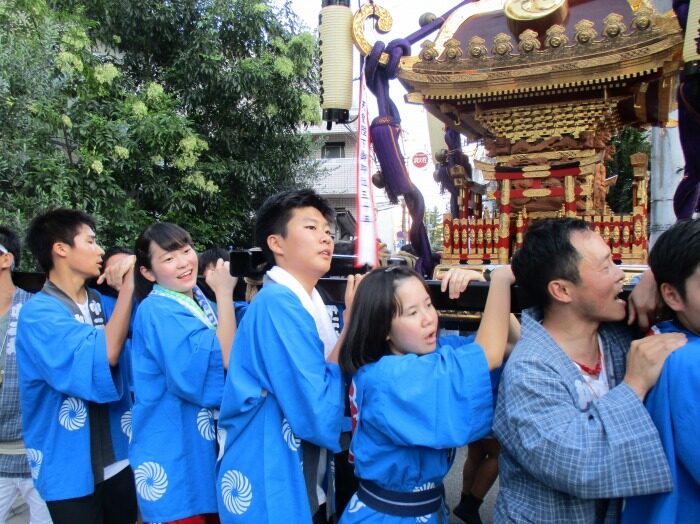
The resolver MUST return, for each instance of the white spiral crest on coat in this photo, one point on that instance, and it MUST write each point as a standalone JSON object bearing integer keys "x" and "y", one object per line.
{"x": 205, "y": 424}
{"x": 151, "y": 481}
{"x": 424, "y": 487}
{"x": 35, "y": 457}
{"x": 72, "y": 414}
{"x": 236, "y": 492}
{"x": 95, "y": 307}
{"x": 221, "y": 439}
{"x": 290, "y": 438}
{"x": 125, "y": 422}
{"x": 355, "y": 504}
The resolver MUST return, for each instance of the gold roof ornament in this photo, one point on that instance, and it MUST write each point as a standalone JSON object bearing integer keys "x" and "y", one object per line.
{"x": 453, "y": 49}
{"x": 502, "y": 44}
{"x": 556, "y": 37}
{"x": 613, "y": 26}
{"x": 428, "y": 52}
{"x": 584, "y": 32}
{"x": 528, "y": 41}
{"x": 477, "y": 49}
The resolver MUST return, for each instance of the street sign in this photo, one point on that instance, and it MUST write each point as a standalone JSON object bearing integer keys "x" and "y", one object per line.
{"x": 420, "y": 160}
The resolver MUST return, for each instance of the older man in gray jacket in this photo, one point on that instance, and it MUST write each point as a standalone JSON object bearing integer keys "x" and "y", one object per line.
{"x": 570, "y": 416}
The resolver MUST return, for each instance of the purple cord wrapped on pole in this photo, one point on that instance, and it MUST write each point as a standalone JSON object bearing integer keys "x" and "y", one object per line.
{"x": 385, "y": 131}
{"x": 686, "y": 200}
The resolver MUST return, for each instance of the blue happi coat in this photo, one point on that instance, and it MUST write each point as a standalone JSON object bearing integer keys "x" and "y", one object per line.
{"x": 108, "y": 303}
{"x": 410, "y": 411}
{"x": 63, "y": 365}
{"x": 178, "y": 384}
{"x": 566, "y": 457}
{"x": 279, "y": 390}
{"x": 674, "y": 406}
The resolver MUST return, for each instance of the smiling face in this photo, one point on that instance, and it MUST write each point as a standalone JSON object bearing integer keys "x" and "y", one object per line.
{"x": 175, "y": 270}
{"x": 306, "y": 249}
{"x": 414, "y": 328}
{"x": 595, "y": 297}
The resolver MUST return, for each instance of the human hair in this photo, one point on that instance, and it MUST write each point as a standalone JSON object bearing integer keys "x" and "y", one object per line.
{"x": 10, "y": 240}
{"x": 210, "y": 256}
{"x": 374, "y": 307}
{"x": 676, "y": 255}
{"x": 115, "y": 250}
{"x": 276, "y": 212}
{"x": 408, "y": 248}
{"x": 169, "y": 237}
{"x": 547, "y": 254}
{"x": 55, "y": 225}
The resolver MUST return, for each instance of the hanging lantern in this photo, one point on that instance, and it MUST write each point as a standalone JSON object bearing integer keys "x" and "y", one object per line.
{"x": 335, "y": 30}
{"x": 436, "y": 134}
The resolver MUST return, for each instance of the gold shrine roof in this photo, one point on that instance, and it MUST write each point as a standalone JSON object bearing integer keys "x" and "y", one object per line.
{"x": 476, "y": 54}
{"x": 606, "y": 51}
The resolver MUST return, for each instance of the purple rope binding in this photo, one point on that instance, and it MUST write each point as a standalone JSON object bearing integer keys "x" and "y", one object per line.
{"x": 686, "y": 200}
{"x": 384, "y": 131}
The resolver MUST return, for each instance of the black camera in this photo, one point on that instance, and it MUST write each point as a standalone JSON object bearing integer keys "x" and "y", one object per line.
{"x": 248, "y": 263}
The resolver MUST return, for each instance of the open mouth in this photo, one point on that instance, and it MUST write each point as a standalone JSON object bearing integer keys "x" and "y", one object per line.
{"x": 620, "y": 298}
{"x": 185, "y": 275}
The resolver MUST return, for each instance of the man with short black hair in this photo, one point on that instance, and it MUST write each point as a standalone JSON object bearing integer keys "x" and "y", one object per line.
{"x": 76, "y": 405}
{"x": 570, "y": 416}
{"x": 282, "y": 409}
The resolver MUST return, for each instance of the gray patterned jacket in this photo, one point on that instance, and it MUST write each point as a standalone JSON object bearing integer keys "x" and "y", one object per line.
{"x": 12, "y": 465}
{"x": 567, "y": 458}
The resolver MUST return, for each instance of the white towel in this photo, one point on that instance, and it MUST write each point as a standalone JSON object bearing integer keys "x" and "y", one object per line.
{"x": 312, "y": 303}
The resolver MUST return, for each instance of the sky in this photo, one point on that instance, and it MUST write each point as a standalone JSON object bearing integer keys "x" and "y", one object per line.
{"x": 405, "y": 14}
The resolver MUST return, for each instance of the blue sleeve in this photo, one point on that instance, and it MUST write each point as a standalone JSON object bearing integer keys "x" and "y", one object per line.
{"x": 240, "y": 307}
{"x": 439, "y": 400}
{"x": 182, "y": 348}
{"x": 66, "y": 354}
{"x": 682, "y": 373}
{"x": 309, "y": 390}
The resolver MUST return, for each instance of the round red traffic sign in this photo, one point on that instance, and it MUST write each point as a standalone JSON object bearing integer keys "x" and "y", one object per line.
{"x": 420, "y": 160}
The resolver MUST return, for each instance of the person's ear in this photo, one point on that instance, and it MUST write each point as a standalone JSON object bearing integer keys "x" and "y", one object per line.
{"x": 274, "y": 243}
{"x": 147, "y": 274}
{"x": 560, "y": 290}
{"x": 672, "y": 297}
{"x": 60, "y": 249}
{"x": 7, "y": 260}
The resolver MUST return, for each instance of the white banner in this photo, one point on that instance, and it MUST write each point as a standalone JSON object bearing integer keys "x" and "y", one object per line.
{"x": 366, "y": 242}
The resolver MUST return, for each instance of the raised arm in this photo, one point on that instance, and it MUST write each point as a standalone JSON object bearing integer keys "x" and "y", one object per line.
{"x": 120, "y": 276}
{"x": 495, "y": 328}
{"x": 222, "y": 283}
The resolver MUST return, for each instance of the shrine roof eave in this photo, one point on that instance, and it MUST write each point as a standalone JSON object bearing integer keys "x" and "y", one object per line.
{"x": 478, "y": 82}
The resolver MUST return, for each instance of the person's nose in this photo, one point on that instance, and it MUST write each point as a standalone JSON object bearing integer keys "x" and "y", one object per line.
{"x": 620, "y": 273}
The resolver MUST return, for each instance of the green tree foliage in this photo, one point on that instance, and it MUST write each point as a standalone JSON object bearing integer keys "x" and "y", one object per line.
{"x": 245, "y": 78}
{"x": 140, "y": 111}
{"x": 628, "y": 141}
{"x": 433, "y": 225}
